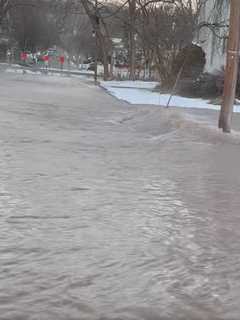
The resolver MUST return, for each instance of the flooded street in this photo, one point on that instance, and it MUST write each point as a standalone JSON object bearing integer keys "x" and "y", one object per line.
{"x": 111, "y": 211}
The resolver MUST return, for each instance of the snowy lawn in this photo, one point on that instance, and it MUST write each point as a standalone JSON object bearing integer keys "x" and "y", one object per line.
{"x": 140, "y": 92}
{"x": 130, "y": 84}
{"x": 20, "y": 71}
{"x": 50, "y": 72}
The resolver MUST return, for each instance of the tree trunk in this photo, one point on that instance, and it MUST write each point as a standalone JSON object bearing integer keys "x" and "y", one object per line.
{"x": 112, "y": 66}
{"x": 105, "y": 66}
{"x": 104, "y": 50}
{"x": 100, "y": 29}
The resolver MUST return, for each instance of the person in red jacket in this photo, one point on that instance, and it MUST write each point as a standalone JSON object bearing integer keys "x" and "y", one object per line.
{"x": 23, "y": 57}
{"x": 46, "y": 60}
{"x": 61, "y": 60}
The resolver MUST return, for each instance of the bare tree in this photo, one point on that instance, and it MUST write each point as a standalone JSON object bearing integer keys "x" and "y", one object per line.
{"x": 30, "y": 27}
{"x": 100, "y": 27}
{"x": 164, "y": 28}
{"x": 4, "y": 7}
{"x": 77, "y": 37}
{"x": 158, "y": 29}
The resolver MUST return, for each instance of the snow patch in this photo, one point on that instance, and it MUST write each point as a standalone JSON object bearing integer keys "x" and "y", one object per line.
{"x": 139, "y": 92}
{"x": 130, "y": 84}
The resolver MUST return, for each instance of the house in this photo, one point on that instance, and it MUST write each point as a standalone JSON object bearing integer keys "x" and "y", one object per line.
{"x": 213, "y": 31}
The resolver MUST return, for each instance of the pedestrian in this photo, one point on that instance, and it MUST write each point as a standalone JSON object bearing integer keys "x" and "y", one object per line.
{"x": 61, "y": 60}
{"x": 23, "y": 57}
{"x": 9, "y": 54}
{"x": 35, "y": 59}
{"x": 46, "y": 60}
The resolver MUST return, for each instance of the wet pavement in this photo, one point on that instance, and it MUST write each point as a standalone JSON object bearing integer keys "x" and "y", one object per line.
{"x": 111, "y": 211}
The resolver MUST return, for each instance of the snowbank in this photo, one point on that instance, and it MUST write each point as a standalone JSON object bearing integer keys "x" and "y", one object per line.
{"x": 130, "y": 84}
{"x": 139, "y": 92}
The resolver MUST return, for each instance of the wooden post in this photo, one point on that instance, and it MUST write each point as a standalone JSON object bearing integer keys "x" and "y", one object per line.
{"x": 231, "y": 72}
{"x": 96, "y": 43}
{"x": 132, "y": 40}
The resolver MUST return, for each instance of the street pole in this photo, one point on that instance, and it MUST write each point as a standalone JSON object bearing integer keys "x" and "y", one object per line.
{"x": 132, "y": 39}
{"x": 96, "y": 44}
{"x": 231, "y": 71}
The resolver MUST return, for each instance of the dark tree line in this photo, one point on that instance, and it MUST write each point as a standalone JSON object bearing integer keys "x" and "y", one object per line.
{"x": 153, "y": 31}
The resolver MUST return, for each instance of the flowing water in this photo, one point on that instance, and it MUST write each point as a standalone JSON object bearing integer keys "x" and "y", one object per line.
{"x": 109, "y": 211}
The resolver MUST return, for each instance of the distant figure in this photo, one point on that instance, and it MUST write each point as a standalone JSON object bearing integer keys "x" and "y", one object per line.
{"x": 9, "y": 56}
{"x": 46, "y": 61}
{"x": 35, "y": 59}
{"x": 69, "y": 62}
{"x": 61, "y": 60}
{"x": 23, "y": 57}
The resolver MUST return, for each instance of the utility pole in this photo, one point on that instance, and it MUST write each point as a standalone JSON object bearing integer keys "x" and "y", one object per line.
{"x": 96, "y": 43}
{"x": 231, "y": 71}
{"x": 132, "y": 39}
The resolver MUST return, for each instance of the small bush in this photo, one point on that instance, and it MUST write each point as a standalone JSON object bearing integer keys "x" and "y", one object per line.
{"x": 193, "y": 60}
{"x": 205, "y": 86}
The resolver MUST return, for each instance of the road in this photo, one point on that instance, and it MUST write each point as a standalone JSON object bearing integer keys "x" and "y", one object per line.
{"x": 111, "y": 211}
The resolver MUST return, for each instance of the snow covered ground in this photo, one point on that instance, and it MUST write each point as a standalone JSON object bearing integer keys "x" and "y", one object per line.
{"x": 50, "y": 72}
{"x": 140, "y": 92}
{"x": 37, "y": 70}
{"x": 129, "y": 84}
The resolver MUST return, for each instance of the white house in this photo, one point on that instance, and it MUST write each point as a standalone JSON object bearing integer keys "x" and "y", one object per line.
{"x": 214, "y": 19}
